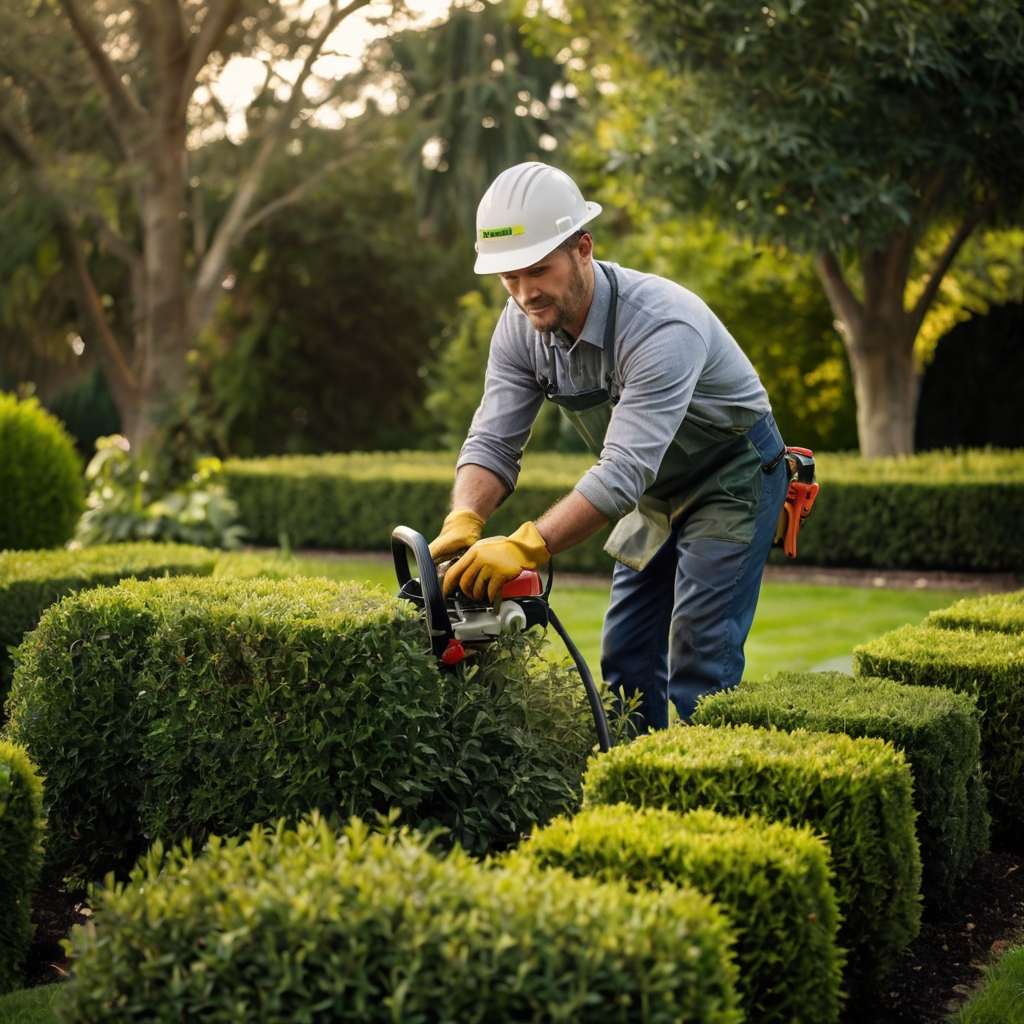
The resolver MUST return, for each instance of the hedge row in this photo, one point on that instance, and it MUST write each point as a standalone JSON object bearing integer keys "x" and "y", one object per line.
{"x": 936, "y": 729}
{"x": 937, "y": 510}
{"x": 176, "y": 707}
{"x": 303, "y": 926}
{"x": 971, "y": 647}
{"x": 30, "y": 581}
{"x": 21, "y": 835}
{"x": 772, "y": 881}
{"x": 856, "y": 792}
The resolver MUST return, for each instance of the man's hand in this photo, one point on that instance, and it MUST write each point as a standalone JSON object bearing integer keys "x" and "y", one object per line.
{"x": 491, "y": 563}
{"x": 461, "y": 530}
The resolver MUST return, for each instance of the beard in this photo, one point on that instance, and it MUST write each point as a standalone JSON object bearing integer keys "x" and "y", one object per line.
{"x": 549, "y": 314}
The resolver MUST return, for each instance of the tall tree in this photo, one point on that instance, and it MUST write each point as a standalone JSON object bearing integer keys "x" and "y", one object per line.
{"x": 106, "y": 106}
{"x": 861, "y": 131}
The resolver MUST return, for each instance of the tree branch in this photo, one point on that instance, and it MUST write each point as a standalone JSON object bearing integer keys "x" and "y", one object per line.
{"x": 124, "y": 103}
{"x": 847, "y": 309}
{"x": 945, "y": 261}
{"x": 217, "y": 21}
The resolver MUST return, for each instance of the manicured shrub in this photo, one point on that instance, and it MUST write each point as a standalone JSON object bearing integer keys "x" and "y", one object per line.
{"x": 1001, "y": 613}
{"x": 21, "y": 857}
{"x": 44, "y": 493}
{"x": 990, "y": 666}
{"x": 936, "y": 729}
{"x": 771, "y": 881}
{"x": 30, "y": 581}
{"x": 936, "y": 510}
{"x": 174, "y": 707}
{"x": 856, "y": 792}
{"x": 303, "y": 926}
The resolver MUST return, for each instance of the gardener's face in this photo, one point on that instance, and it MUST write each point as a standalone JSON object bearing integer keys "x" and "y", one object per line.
{"x": 556, "y": 291}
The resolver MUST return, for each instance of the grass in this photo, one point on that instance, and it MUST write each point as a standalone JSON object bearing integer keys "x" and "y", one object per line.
{"x": 29, "y": 1006}
{"x": 1000, "y": 1000}
{"x": 797, "y": 627}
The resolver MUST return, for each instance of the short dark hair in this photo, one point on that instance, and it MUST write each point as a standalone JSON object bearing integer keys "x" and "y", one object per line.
{"x": 571, "y": 244}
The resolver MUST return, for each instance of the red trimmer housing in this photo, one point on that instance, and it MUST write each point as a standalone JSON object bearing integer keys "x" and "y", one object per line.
{"x": 803, "y": 489}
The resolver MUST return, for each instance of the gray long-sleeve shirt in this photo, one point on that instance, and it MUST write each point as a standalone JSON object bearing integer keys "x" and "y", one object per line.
{"x": 673, "y": 359}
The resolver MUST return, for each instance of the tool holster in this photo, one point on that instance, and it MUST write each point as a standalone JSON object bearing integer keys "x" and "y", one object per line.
{"x": 803, "y": 489}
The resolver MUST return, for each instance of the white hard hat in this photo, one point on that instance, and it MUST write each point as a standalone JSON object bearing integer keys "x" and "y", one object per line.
{"x": 528, "y": 211}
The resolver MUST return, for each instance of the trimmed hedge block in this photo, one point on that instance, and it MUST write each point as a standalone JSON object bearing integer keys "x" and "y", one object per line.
{"x": 986, "y": 664}
{"x": 30, "y": 581}
{"x": 1000, "y": 613}
{"x": 856, "y": 792}
{"x": 772, "y": 882}
{"x": 175, "y": 707}
{"x": 304, "y": 926}
{"x": 21, "y": 857}
{"x": 936, "y": 729}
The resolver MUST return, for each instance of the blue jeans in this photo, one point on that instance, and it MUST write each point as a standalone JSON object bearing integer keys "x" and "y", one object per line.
{"x": 676, "y": 628}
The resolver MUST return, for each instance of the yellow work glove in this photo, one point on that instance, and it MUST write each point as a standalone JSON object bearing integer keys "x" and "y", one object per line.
{"x": 461, "y": 530}
{"x": 490, "y": 563}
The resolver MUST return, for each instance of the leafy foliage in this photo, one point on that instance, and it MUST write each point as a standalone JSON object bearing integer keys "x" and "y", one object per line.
{"x": 936, "y": 729}
{"x": 122, "y": 506}
{"x": 212, "y": 704}
{"x": 21, "y": 857}
{"x": 42, "y": 483}
{"x": 988, "y": 665}
{"x": 306, "y": 926}
{"x": 857, "y": 792}
{"x": 772, "y": 881}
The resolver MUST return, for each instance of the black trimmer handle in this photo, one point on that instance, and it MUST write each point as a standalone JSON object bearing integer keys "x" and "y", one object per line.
{"x": 439, "y": 625}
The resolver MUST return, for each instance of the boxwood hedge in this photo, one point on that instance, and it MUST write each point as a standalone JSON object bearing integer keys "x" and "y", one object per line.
{"x": 936, "y": 510}
{"x": 1001, "y": 613}
{"x": 856, "y": 792}
{"x": 985, "y": 663}
{"x": 772, "y": 882}
{"x": 21, "y": 856}
{"x": 30, "y": 581}
{"x": 175, "y": 707}
{"x": 936, "y": 729}
{"x": 301, "y": 926}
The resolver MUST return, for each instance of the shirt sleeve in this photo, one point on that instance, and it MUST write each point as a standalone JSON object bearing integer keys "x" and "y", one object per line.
{"x": 512, "y": 398}
{"x": 659, "y": 372}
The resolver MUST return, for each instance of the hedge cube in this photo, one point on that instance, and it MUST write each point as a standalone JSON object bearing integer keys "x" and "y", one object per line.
{"x": 1002, "y": 613}
{"x": 21, "y": 857}
{"x": 772, "y": 882}
{"x": 855, "y": 792}
{"x": 936, "y": 729}
{"x": 175, "y": 707}
{"x": 303, "y": 926}
{"x": 989, "y": 665}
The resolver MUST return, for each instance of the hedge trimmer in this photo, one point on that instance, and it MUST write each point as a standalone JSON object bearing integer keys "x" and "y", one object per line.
{"x": 458, "y": 624}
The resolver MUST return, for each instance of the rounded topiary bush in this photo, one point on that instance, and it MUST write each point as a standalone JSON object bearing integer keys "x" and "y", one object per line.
{"x": 171, "y": 708}
{"x": 44, "y": 493}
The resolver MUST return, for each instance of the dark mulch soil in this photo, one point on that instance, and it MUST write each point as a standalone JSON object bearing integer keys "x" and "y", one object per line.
{"x": 933, "y": 977}
{"x": 946, "y": 960}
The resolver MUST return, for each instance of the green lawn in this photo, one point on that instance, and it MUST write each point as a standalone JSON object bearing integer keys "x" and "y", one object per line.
{"x": 1000, "y": 1000}
{"x": 796, "y": 626}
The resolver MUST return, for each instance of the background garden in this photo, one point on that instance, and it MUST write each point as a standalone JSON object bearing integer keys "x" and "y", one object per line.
{"x": 240, "y": 341}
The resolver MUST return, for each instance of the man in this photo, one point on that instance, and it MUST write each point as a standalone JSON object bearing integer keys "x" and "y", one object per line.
{"x": 688, "y": 451}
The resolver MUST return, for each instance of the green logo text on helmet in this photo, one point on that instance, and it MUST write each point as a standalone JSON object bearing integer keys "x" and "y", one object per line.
{"x": 528, "y": 210}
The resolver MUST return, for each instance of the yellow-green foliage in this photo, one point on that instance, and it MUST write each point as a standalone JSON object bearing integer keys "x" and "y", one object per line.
{"x": 30, "y": 581}
{"x": 306, "y": 926}
{"x": 938, "y": 510}
{"x": 175, "y": 707}
{"x": 857, "y": 792}
{"x": 21, "y": 857}
{"x": 42, "y": 485}
{"x": 1002, "y": 613}
{"x": 771, "y": 880}
{"x": 985, "y": 663}
{"x": 936, "y": 729}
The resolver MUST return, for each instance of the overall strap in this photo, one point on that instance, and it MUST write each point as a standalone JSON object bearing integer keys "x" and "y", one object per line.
{"x": 609, "y": 333}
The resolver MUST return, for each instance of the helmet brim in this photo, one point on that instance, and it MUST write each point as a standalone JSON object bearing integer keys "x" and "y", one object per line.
{"x": 519, "y": 259}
